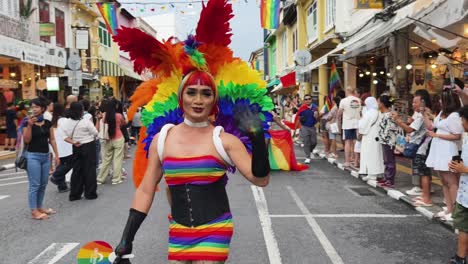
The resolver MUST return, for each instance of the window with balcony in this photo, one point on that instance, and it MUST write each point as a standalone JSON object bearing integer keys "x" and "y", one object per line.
{"x": 294, "y": 39}
{"x": 284, "y": 49}
{"x": 10, "y": 8}
{"x": 330, "y": 14}
{"x": 104, "y": 36}
{"x": 312, "y": 22}
{"x": 44, "y": 17}
{"x": 60, "y": 28}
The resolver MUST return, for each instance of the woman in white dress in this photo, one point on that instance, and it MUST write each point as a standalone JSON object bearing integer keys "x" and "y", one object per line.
{"x": 372, "y": 158}
{"x": 445, "y": 145}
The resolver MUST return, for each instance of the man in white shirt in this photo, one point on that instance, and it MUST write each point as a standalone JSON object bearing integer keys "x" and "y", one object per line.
{"x": 350, "y": 113}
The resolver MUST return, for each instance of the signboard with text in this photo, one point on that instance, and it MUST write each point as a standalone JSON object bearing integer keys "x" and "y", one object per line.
{"x": 46, "y": 29}
{"x": 369, "y": 4}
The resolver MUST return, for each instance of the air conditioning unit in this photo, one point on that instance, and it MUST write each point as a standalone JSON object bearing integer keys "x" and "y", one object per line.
{"x": 315, "y": 88}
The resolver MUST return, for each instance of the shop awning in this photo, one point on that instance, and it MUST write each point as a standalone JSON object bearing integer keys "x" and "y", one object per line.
{"x": 378, "y": 34}
{"x": 273, "y": 82}
{"x": 108, "y": 68}
{"x": 289, "y": 79}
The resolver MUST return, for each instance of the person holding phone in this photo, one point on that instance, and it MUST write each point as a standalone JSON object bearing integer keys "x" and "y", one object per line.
{"x": 460, "y": 212}
{"x": 37, "y": 134}
{"x": 444, "y": 146}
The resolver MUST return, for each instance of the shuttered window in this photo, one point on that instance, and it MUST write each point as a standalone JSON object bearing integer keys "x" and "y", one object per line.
{"x": 60, "y": 28}
{"x": 44, "y": 16}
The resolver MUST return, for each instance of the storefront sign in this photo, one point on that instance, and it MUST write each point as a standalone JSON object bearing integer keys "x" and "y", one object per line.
{"x": 369, "y": 4}
{"x": 52, "y": 84}
{"x": 8, "y": 84}
{"x": 14, "y": 28}
{"x": 56, "y": 57}
{"x": 24, "y": 51}
{"x": 82, "y": 39}
{"x": 46, "y": 29}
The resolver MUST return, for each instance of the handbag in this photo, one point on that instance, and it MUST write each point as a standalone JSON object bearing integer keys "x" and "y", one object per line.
{"x": 21, "y": 160}
{"x": 412, "y": 148}
{"x": 334, "y": 129}
{"x": 400, "y": 141}
{"x": 103, "y": 130}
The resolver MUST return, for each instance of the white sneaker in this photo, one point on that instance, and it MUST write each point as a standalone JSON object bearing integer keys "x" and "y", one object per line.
{"x": 369, "y": 178}
{"x": 307, "y": 161}
{"x": 415, "y": 191}
{"x": 447, "y": 217}
{"x": 440, "y": 214}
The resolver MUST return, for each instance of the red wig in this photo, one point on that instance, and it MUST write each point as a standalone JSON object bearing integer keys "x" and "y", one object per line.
{"x": 199, "y": 78}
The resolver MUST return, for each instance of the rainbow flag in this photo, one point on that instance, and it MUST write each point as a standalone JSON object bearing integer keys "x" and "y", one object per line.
{"x": 328, "y": 104}
{"x": 269, "y": 13}
{"x": 109, "y": 13}
{"x": 281, "y": 152}
{"x": 334, "y": 81}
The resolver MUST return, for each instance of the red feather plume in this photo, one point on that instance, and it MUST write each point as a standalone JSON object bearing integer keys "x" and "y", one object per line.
{"x": 213, "y": 26}
{"x": 145, "y": 50}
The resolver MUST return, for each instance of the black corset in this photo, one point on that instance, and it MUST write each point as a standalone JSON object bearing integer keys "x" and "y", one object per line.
{"x": 194, "y": 205}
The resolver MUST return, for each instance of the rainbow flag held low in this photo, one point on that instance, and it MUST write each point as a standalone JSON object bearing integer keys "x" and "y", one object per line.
{"x": 269, "y": 13}
{"x": 109, "y": 13}
{"x": 281, "y": 152}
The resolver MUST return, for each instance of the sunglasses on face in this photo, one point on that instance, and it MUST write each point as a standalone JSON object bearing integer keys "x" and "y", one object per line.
{"x": 307, "y": 99}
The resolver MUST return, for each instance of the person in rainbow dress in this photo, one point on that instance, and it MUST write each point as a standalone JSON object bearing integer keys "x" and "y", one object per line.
{"x": 206, "y": 114}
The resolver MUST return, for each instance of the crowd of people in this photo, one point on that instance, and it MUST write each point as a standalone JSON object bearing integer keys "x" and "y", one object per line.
{"x": 433, "y": 138}
{"x": 83, "y": 138}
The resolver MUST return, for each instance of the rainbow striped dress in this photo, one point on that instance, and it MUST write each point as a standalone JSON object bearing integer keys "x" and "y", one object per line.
{"x": 209, "y": 241}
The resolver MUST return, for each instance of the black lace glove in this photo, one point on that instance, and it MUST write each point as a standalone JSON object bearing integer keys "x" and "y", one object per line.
{"x": 135, "y": 218}
{"x": 249, "y": 123}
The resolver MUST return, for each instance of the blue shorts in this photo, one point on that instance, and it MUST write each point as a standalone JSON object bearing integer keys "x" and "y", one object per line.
{"x": 350, "y": 134}
{"x": 331, "y": 135}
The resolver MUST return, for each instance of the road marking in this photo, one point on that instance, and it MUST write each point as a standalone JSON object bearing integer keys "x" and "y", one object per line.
{"x": 53, "y": 253}
{"x": 14, "y": 173}
{"x": 348, "y": 216}
{"x": 326, "y": 244}
{"x": 4, "y": 196}
{"x": 12, "y": 178}
{"x": 265, "y": 222}
{"x": 13, "y": 183}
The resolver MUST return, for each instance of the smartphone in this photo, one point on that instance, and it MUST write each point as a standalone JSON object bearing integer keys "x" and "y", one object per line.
{"x": 456, "y": 158}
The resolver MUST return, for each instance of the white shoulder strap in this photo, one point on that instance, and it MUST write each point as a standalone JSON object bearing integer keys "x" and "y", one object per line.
{"x": 219, "y": 145}
{"x": 162, "y": 139}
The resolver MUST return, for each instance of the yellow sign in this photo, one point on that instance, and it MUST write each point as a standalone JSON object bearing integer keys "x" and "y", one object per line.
{"x": 369, "y": 4}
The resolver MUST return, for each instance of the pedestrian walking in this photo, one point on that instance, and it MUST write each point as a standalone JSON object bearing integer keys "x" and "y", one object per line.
{"x": 65, "y": 149}
{"x": 81, "y": 133}
{"x": 445, "y": 144}
{"x": 196, "y": 176}
{"x": 37, "y": 134}
{"x": 387, "y": 135}
{"x": 323, "y": 116}
{"x": 333, "y": 127}
{"x": 136, "y": 126}
{"x": 417, "y": 127}
{"x": 113, "y": 147}
{"x": 350, "y": 113}
{"x": 308, "y": 115}
{"x": 11, "y": 126}
{"x": 460, "y": 212}
{"x": 49, "y": 110}
{"x": 371, "y": 162}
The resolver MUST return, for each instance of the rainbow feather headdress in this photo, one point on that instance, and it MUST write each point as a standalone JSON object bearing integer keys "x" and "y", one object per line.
{"x": 237, "y": 83}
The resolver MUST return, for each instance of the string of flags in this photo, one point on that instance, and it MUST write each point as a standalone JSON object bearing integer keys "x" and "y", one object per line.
{"x": 108, "y": 10}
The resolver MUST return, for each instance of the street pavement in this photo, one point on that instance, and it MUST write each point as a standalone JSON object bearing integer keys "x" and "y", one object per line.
{"x": 320, "y": 215}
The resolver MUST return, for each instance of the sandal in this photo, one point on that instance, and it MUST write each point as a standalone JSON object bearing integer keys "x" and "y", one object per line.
{"x": 423, "y": 204}
{"x": 48, "y": 211}
{"x": 41, "y": 216}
